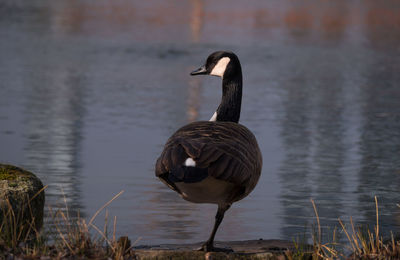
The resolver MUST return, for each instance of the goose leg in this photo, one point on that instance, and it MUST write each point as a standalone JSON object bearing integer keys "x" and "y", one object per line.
{"x": 209, "y": 245}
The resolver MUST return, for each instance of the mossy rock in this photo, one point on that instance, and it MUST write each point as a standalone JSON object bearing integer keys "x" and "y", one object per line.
{"x": 21, "y": 204}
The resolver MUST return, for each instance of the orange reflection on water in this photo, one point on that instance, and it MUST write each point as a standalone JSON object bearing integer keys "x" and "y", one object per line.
{"x": 196, "y": 19}
{"x": 204, "y": 20}
{"x": 382, "y": 26}
{"x": 296, "y": 19}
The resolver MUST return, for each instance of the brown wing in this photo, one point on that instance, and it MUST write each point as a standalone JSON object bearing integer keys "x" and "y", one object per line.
{"x": 229, "y": 151}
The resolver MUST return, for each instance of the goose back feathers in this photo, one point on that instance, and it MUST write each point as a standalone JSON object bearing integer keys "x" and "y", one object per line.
{"x": 225, "y": 151}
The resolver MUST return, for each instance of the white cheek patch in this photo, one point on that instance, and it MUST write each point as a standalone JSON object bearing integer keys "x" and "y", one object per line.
{"x": 214, "y": 117}
{"x": 190, "y": 162}
{"x": 220, "y": 67}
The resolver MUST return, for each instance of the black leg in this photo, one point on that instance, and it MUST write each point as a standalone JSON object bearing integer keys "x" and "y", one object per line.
{"x": 209, "y": 245}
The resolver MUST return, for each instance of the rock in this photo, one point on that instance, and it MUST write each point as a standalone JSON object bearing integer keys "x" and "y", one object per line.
{"x": 250, "y": 249}
{"x": 21, "y": 203}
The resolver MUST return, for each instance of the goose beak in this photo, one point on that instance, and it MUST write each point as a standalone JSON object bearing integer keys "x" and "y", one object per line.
{"x": 200, "y": 71}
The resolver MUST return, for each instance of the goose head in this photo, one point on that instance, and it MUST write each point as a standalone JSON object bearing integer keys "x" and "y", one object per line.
{"x": 220, "y": 64}
{"x": 226, "y": 65}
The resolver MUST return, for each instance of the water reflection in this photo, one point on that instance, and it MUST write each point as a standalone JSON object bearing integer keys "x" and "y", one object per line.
{"x": 196, "y": 19}
{"x": 382, "y": 25}
{"x": 52, "y": 97}
{"x": 329, "y": 153}
{"x": 334, "y": 20}
{"x": 295, "y": 168}
{"x": 380, "y": 141}
{"x": 299, "y": 21}
{"x": 174, "y": 216}
{"x": 54, "y": 120}
{"x": 94, "y": 90}
{"x": 194, "y": 100}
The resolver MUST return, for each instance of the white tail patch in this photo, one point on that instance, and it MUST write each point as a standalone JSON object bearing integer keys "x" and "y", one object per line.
{"x": 190, "y": 162}
{"x": 220, "y": 67}
{"x": 214, "y": 117}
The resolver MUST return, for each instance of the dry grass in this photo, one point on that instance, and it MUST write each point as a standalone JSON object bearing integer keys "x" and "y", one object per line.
{"x": 361, "y": 243}
{"x": 77, "y": 238}
{"x": 73, "y": 238}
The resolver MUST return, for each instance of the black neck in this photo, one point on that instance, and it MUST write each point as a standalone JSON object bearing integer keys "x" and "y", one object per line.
{"x": 229, "y": 109}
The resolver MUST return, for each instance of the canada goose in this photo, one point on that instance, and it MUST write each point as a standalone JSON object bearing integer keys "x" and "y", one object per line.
{"x": 216, "y": 161}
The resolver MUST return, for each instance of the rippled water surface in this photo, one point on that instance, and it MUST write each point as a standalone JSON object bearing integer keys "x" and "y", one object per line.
{"x": 90, "y": 92}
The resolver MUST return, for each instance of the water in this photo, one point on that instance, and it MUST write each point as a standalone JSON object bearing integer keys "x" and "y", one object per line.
{"x": 90, "y": 92}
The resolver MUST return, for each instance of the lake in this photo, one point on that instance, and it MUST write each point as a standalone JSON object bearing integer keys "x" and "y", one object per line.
{"x": 91, "y": 91}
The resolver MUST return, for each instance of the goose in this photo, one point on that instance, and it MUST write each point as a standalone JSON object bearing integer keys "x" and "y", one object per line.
{"x": 216, "y": 161}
